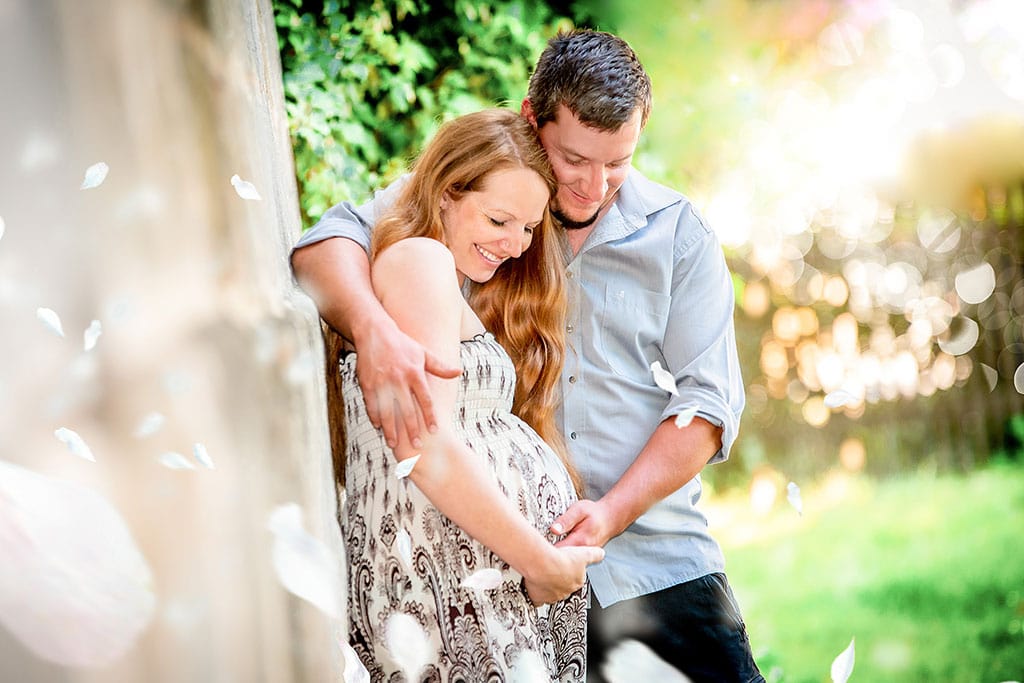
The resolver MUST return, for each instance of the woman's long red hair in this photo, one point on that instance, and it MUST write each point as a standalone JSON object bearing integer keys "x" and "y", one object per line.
{"x": 524, "y": 303}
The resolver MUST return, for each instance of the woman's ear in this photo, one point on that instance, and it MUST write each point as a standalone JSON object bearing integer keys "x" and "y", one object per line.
{"x": 446, "y": 200}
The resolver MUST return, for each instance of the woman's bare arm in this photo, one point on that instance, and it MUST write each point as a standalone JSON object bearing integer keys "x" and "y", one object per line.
{"x": 417, "y": 285}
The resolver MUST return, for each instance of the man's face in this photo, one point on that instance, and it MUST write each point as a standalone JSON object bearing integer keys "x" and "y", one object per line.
{"x": 590, "y": 165}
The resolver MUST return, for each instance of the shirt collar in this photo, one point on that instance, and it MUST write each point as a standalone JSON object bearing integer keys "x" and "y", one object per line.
{"x": 637, "y": 199}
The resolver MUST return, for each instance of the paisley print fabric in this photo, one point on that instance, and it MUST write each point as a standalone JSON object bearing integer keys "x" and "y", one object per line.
{"x": 474, "y": 636}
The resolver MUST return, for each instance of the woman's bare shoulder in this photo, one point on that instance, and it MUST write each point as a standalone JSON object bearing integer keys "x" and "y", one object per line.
{"x": 416, "y": 255}
{"x": 417, "y": 265}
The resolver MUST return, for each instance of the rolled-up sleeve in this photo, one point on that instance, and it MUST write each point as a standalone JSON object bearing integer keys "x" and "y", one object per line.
{"x": 700, "y": 337}
{"x": 350, "y": 221}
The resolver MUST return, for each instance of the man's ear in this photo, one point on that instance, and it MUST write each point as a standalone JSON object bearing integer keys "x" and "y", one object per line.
{"x": 526, "y": 111}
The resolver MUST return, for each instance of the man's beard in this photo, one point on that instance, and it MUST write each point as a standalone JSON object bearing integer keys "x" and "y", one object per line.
{"x": 570, "y": 224}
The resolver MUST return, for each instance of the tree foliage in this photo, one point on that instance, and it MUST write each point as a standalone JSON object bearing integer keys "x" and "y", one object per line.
{"x": 367, "y": 82}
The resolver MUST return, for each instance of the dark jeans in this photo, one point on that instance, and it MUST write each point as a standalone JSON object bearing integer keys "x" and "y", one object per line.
{"x": 695, "y": 626}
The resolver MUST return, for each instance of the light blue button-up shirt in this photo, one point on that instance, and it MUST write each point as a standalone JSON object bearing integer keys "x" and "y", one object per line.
{"x": 649, "y": 284}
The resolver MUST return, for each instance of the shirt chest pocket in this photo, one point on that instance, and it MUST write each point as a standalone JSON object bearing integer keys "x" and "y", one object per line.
{"x": 632, "y": 328}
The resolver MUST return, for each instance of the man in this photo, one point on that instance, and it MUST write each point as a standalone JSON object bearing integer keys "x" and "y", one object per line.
{"x": 647, "y": 283}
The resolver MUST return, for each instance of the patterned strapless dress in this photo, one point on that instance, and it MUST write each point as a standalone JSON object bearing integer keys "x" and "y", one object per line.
{"x": 406, "y": 557}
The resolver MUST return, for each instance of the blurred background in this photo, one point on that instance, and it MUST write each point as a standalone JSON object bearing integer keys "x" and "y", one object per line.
{"x": 165, "y": 486}
{"x": 863, "y": 165}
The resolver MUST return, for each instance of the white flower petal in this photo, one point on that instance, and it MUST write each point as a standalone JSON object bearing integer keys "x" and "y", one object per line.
{"x": 175, "y": 461}
{"x": 684, "y": 418}
{"x": 1018, "y": 379}
{"x": 95, "y": 175}
{"x": 91, "y": 334}
{"x": 244, "y": 188}
{"x": 74, "y": 588}
{"x": 40, "y": 151}
{"x": 483, "y": 580}
{"x": 528, "y": 667}
{"x": 404, "y": 468}
{"x": 49, "y": 317}
{"x": 793, "y": 496}
{"x": 74, "y": 442}
{"x": 3, "y": 227}
{"x": 149, "y": 425}
{"x": 991, "y": 376}
{"x": 354, "y": 671}
{"x": 408, "y": 644}
{"x": 664, "y": 379}
{"x": 199, "y": 451}
{"x": 976, "y": 284}
{"x": 404, "y": 546}
{"x": 963, "y": 340}
{"x": 842, "y": 666}
{"x": 839, "y": 398}
{"x": 304, "y": 565}
{"x": 631, "y": 661}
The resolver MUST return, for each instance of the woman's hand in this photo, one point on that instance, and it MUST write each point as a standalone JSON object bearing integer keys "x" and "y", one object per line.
{"x": 560, "y": 573}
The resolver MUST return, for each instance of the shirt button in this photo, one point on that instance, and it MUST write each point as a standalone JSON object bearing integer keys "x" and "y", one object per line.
{"x": 571, "y": 274}
{"x": 573, "y": 436}
{"x": 572, "y": 379}
{"x": 569, "y": 329}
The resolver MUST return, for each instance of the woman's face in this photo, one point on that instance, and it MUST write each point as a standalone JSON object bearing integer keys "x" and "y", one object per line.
{"x": 485, "y": 227}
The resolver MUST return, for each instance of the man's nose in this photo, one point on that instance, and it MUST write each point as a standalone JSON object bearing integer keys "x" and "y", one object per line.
{"x": 597, "y": 183}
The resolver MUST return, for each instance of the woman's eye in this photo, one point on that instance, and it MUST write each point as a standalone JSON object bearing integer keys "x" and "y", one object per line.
{"x": 496, "y": 222}
{"x": 529, "y": 229}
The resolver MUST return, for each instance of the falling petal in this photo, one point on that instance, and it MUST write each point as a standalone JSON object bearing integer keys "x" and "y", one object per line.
{"x": 354, "y": 671}
{"x": 793, "y": 496}
{"x": 91, "y": 334}
{"x": 408, "y": 644}
{"x": 528, "y": 667}
{"x": 39, "y": 152}
{"x": 304, "y": 564}
{"x": 842, "y": 666}
{"x": 838, "y": 399}
{"x": 404, "y": 468}
{"x": 244, "y": 188}
{"x": 149, "y": 425}
{"x": 199, "y": 451}
{"x": 404, "y": 543}
{"x": 1018, "y": 379}
{"x": 630, "y": 661}
{"x": 302, "y": 369}
{"x": 684, "y": 418}
{"x": 74, "y": 588}
{"x": 991, "y": 376}
{"x": 95, "y": 175}
{"x": 52, "y": 321}
{"x": 977, "y": 284}
{"x": 483, "y": 580}
{"x": 664, "y": 379}
{"x": 74, "y": 442}
{"x": 963, "y": 340}
{"x": 176, "y": 461}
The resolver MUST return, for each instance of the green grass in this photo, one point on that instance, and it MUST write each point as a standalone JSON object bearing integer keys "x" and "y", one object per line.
{"x": 926, "y": 573}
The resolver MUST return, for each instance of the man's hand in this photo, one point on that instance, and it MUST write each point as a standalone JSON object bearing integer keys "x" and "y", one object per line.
{"x": 392, "y": 371}
{"x": 586, "y": 523}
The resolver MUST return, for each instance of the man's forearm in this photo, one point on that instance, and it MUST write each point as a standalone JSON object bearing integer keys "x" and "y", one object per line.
{"x": 669, "y": 459}
{"x": 335, "y": 273}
